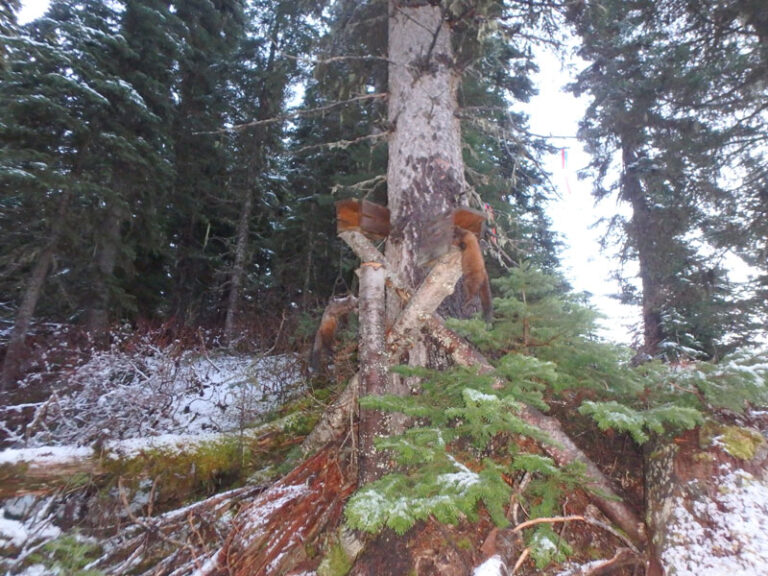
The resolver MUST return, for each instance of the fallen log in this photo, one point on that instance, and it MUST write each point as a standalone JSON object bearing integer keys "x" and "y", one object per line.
{"x": 47, "y": 469}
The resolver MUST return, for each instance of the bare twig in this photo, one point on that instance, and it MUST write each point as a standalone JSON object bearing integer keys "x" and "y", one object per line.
{"x": 520, "y": 560}
{"x": 343, "y": 144}
{"x": 296, "y": 114}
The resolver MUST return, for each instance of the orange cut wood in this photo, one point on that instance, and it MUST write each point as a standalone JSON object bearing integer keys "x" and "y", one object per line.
{"x": 367, "y": 217}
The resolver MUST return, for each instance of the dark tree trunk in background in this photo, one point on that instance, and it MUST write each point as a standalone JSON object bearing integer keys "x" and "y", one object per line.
{"x": 649, "y": 252}
{"x": 13, "y": 365}
{"x": 107, "y": 249}
{"x": 238, "y": 268}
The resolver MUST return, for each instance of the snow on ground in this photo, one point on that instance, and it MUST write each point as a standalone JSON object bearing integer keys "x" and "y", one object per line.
{"x": 118, "y": 395}
{"x": 128, "y": 401}
{"x": 494, "y": 566}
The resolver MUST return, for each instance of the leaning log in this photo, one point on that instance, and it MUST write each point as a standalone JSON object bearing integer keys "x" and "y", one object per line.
{"x": 561, "y": 448}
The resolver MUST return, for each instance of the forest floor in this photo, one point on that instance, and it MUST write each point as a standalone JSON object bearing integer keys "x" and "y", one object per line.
{"x": 135, "y": 460}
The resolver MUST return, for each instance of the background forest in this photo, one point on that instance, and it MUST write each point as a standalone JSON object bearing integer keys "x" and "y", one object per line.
{"x": 170, "y": 169}
{"x": 181, "y": 162}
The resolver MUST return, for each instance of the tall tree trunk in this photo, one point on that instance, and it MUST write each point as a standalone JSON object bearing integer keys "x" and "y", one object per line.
{"x": 13, "y": 365}
{"x": 15, "y": 355}
{"x": 425, "y": 173}
{"x": 649, "y": 254}
{"x": 107, "y": 247}
{"x": 238, "y": 267}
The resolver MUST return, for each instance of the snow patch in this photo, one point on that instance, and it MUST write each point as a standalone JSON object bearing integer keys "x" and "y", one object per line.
{"x": 44, "y": 456}
{"x": 494, "y": 566}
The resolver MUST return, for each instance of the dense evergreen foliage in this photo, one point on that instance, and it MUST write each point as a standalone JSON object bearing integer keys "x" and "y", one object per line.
{"x": 180, "y": 160}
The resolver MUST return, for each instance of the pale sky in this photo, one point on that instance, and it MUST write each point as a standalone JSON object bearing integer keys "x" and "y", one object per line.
{"x": 553, "y": 112}
{"x": 31, "y": 9}
{"x": 556, "y": 112}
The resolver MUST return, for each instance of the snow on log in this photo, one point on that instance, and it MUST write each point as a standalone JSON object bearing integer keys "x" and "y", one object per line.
{"x": 707, "y": 494}
{"x": 46, "y": 469}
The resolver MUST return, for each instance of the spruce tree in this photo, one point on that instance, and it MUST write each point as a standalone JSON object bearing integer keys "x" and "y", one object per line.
{"x": 668, "y": 162}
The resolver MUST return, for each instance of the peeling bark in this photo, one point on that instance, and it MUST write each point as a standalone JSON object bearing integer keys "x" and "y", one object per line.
{"x": 273, "y": 534}
{"x": 374, "y": 366}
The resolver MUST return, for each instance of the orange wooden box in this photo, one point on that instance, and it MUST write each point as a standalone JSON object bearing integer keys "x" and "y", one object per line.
{"x": 369, "y": 218}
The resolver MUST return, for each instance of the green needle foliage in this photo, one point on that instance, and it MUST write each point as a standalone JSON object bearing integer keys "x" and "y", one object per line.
{"x": 468, "y": 440}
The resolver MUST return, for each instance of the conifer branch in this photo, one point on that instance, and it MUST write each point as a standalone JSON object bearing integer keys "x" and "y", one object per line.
{"x": 333, "y": 59}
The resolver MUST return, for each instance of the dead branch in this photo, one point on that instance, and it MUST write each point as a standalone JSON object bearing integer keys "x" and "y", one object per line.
{"x": 333, "y": 59}
{"x": 562, "y": 449}
{"x": 521, "y": 560}
{"x": 335, "y": 419}
{"x": 342, "y": 144}
{"x": 554, "y": 520}
{"x": 296, "y": 114}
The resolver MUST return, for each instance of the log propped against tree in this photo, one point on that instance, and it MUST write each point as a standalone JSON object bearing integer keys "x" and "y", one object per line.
{"x": 245, "y": 552}
{"x": 562, "y": 449}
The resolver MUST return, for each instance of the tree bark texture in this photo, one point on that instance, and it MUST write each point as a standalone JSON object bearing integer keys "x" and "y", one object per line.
{"x": 425, "y": 172}
{"x": 425, "y": 176}
{"x": 271, "y": 534}
{"x": 374, "y": 366}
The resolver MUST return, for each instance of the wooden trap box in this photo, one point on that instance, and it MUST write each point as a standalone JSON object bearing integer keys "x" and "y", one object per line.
{"x": 366, "y": 217}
